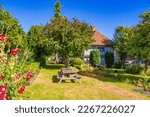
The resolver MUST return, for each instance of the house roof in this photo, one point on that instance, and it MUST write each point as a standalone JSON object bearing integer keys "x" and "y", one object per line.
{"x": 100, "y": 39}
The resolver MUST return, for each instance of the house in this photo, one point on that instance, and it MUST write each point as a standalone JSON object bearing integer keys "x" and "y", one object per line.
{"x": 101, "y": 43}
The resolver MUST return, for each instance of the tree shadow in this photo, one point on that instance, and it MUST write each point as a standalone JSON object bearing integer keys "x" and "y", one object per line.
{"x": 103, "y": 77}
{"x": 54, "y": 79}
{"x": 53, "y": 66}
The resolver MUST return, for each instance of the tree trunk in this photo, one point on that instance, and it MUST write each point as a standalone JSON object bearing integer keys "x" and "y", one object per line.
{"x": 56, "y": 59}
{"x": 66, "y": 62}
{"x": 146, "y": 66}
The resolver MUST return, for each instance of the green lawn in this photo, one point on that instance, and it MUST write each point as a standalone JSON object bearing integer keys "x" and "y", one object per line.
{"x": 45, "y": 87}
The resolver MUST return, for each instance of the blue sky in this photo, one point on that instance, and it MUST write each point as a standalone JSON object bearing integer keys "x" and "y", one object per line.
{"x": 106, "y": 15}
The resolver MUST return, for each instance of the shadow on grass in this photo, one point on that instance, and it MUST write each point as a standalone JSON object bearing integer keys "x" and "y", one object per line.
{"x": 53, "y": 66}
{"x": 54, "y": 79}
{"x": 103, "y": 77}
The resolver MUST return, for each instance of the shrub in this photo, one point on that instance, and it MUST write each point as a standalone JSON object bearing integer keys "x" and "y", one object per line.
{"x": 95, "y": 57}
{"x": 12, "y": 70}
{"x": 134, "y": 69}
{"x": 117, "y": 65}
{"x": 86, "y": 68}
{"x": 109, "y": 59}
{"x": 33, "y": 66}
{"x": 76, "y": 61}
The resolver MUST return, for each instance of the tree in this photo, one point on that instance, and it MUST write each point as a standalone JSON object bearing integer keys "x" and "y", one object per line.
{"x": 121, "y": 38}
{"x": 11, "y": 28}
{"x": 35, "y": 39}
{"x": 139, "y": 46}
{"x": 65, "y": 37}
{"x": 95, "y": 57}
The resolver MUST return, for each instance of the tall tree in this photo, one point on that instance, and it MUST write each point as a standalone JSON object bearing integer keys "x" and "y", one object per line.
{"x": 121, "y": 38}
{"x": 67, "y": 37}
{"x": 139, "y": 46}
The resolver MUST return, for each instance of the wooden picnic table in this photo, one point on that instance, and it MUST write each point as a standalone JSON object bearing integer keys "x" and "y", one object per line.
{"x": 67, "y": 74}
{"x": 67, "y": 71}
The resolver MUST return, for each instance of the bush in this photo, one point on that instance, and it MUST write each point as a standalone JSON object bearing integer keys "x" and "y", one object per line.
{"x": 134, "y": 69}
{"x": 95, "y": 57}
{"x": 117, "y": 65}
{"x": 76, "y": 61}
{"x": 86, "y": 68}
{"x": 109, "y": 59}
{"x": 33, "y": 66}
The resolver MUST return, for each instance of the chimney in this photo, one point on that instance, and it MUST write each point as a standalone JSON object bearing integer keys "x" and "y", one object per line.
{"x": 94, "y": 28}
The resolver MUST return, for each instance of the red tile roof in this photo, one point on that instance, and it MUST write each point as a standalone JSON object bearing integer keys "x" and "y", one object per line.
{"x": 100, "y": 39}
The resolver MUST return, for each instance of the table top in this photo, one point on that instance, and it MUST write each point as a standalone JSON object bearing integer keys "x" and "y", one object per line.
{"x": 67, "y": 71}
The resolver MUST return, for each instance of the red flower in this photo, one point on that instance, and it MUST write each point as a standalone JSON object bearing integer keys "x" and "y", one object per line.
{"x": 14, "y": 52}
{"x": 5, "y": 97}
{"x": 1, "y": 77}
{"x": 6, "y": 40}
{"x": 21, "y": 90}
{"x": 2, "y": 95}
{"x": 18, "y": 75}
{"x": 3, "y": 88}
{"x": 2, "y": 37}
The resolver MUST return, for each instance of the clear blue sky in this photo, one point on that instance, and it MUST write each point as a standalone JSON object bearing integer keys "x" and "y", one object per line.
{"x": 106, "y": 15}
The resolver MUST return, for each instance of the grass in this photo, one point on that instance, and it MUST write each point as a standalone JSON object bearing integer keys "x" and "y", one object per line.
{"x": 45, "y": 87}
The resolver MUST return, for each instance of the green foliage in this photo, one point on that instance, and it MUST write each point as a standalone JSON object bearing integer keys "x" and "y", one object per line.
{"x": 11, "y": 28}
{"x": 117, "y": 65}
{"x": 134, "y": 69}
{"x": 121, "y": 38}
{"x": 109, "y": 59}
{"x": 33, "y": 66}
{"x": 139, "y": 46}
{"x": 86, "y": 68}
{"x": 95, "y": 57}
{"x": 35, "y": 38}
{"x": 76, "y": 61}
{"x": 57, "y": 10}
{"x": 68, "y": 38}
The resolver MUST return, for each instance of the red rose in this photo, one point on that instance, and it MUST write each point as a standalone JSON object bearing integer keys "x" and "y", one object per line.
{"x": 14, "y": 52}
{"x": 3, "y": 88}
{"x": 18, "y": 75}
{"x": 5, "y": 97}
{"x": 21, "y": 90}
{"x": 2, "y": 95}
{"x": 2, "y": 37}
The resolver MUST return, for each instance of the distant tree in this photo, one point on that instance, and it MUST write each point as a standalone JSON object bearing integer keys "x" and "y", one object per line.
{"x": 67, "y": 38}
{"x": 94, "y": 57}
{"x": 121, "y": 38}
{"x": 139, "y": 46}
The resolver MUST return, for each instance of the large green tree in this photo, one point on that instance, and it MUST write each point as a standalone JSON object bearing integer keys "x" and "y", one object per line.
{"x": 139, "y": 45}
{"x": 121, "y": 38}
{"x": 65, "y": 37}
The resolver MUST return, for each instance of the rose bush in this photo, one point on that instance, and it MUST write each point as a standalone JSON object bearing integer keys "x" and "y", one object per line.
{"x": 12, "y": 73}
